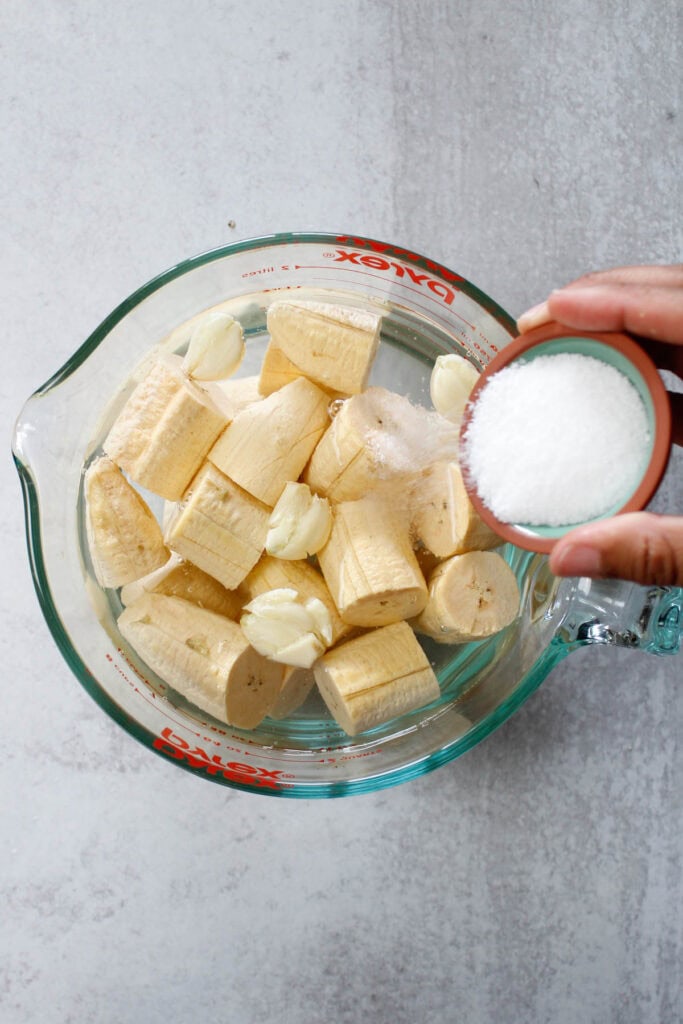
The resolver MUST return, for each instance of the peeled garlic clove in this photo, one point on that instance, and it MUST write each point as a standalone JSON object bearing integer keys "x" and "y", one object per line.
{"x": 299, "y": 524}
{"x": 452, "y": 380}
{"x": 283, "y": 628}
{"x": 216, "y": 347}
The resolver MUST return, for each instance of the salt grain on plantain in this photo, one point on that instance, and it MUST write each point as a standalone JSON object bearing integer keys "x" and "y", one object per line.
{"x": 557, "y": 440}
{"x": 406, "y": 438}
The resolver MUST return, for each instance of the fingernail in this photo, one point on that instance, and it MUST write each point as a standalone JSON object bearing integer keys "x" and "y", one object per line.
{"x": 534, "y": 317}
{"x": 577, "y": 560}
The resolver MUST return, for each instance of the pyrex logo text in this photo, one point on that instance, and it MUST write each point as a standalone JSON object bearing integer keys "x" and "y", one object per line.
{"x": 438, "y": 288}
{"x": 175, "y": 747}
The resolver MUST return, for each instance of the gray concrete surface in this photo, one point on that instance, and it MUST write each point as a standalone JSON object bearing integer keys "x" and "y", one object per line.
{"x": 538, "y": 879}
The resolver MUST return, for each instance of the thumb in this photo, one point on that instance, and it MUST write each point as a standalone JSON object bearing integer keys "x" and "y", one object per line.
{"x": 638, "y": 546}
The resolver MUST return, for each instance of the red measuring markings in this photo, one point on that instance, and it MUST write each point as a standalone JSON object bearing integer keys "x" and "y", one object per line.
{"x": 176, "y": 748}
{"x": 151, "y": 696}
{"x": 262, "y": 270}
{"x": 403, "y": 254}
{"x": 438, "y": 288}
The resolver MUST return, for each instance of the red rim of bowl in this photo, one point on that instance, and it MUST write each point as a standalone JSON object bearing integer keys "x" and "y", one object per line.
{"x": 661, "y": 448}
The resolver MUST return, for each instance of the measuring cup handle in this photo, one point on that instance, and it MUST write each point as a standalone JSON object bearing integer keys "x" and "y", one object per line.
{"x": 624, "y": 614}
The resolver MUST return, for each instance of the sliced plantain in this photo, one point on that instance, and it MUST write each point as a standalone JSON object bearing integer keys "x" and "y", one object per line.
{"x": 471, "y": 597}
{"x": 375, "y": 677}
{"x": 203, "y": 656}
{"x": 124, "y": 538}
{"x": 332, "y": 345}
{"x": 165, "y": 430}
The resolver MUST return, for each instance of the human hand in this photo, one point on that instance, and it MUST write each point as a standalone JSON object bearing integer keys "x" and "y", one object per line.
{"x": 647, "y": 303}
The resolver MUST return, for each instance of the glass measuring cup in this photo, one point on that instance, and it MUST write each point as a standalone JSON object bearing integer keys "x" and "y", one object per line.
{"x": 428, "y": 310}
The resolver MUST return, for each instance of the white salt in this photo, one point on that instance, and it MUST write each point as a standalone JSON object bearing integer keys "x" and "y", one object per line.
{"x": 403, "y": 438}
{"x": 560, "y": 439}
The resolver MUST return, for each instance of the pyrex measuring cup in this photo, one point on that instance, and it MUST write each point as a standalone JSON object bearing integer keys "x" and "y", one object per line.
{"x": 427, "y": 310}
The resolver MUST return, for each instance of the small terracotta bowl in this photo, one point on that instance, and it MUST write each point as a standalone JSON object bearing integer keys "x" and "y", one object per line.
{"x": 617, "y": 350}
